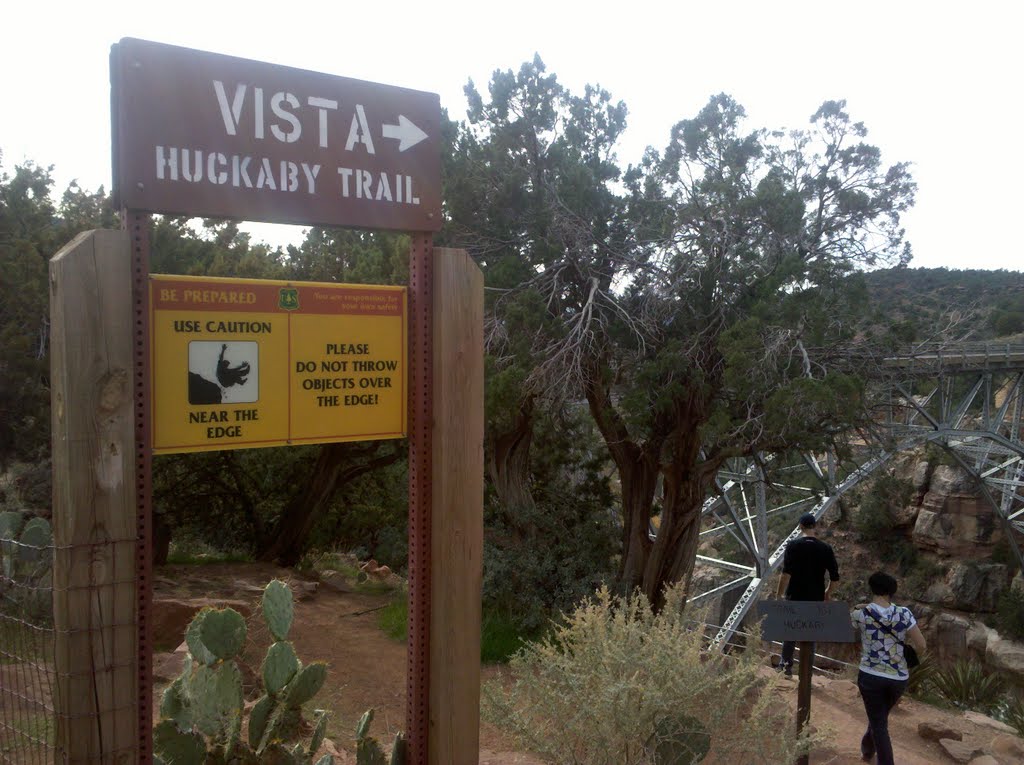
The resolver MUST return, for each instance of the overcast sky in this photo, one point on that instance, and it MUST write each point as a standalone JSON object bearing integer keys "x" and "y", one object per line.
{"x": 937, "y": 84}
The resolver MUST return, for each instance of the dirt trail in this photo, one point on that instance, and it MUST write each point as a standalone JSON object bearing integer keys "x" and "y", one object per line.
{"x": 367, "y": 669}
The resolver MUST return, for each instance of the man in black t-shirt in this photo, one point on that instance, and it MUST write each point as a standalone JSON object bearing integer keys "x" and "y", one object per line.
{"x": 806, "y": 561}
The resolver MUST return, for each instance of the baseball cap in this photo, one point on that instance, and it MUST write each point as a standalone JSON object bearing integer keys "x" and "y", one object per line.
{"x": 807, "y": 520}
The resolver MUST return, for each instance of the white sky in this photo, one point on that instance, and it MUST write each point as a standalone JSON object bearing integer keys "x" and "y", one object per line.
{"x": 937, "y": 84}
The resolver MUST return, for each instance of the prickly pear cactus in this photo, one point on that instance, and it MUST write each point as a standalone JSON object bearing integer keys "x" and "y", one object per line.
{"x": 201, "y": 712}
{"x": 26, "y": 563}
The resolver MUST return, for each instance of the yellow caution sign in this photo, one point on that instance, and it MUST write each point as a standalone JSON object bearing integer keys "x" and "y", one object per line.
{"x": 242, "y": 363}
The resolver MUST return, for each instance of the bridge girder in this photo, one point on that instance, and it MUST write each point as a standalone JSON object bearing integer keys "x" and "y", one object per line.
{"x": 980, "y": 427}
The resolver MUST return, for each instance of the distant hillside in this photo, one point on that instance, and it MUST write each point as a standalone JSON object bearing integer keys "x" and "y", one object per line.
{"x": 920, "y": 304}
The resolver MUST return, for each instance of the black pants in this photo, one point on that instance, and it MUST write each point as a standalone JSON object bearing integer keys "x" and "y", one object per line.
{"x": 880, "y": 695}
{"x": 788, "y": 649}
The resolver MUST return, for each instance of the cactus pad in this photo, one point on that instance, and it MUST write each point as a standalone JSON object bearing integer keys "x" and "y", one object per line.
{"x": 258, "y": 720}
{"x": 173, "y": 707}
{"x": 319, "y": 731}
{"x": 277, "y": 755}
{"x": 279, "y": 667}
{"x": 278, "y": 608}
{"x": 10, "y": 524}
{"x": 399, "y": 752}
{"x": 223, "y": 632}
{"x": 363, "y": 726}
{"x": 193, "y": 636}
{"x": 368, "y": 752}
{"x": 34, "y": 537}
{"x": 214, "y": 694}
{"x": 177, "y": 748}
{"x": 306, "y": 683}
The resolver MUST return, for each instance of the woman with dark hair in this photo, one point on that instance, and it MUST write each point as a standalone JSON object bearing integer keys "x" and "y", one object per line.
{"x": 884, "y": 628}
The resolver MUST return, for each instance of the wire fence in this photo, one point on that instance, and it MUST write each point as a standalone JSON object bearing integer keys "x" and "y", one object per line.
{"x": 27, "y": 661}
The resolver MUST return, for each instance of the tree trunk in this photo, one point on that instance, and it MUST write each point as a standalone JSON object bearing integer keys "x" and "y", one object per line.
{"x": 673, "y": 552}
{"x": 336, "y": 466}
{"x": 638, "y": 468}
{"x": 638, "y": 479}
{"x": 509, "y": 463}
{"x": 686, "y": 479}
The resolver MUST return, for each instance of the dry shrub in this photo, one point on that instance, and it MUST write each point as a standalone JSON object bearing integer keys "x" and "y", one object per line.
{"x": 613, "y": 675}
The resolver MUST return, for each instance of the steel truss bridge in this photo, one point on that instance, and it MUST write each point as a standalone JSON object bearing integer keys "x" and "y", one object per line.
{"x": 968, "y": 401}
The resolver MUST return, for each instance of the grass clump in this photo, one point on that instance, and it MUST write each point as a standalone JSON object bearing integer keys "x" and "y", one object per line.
{"x": 393, "y": 619}
{"x": 193, "y": 553}
{"x": 500, "y": 635}
{"x": 615, "y": 684}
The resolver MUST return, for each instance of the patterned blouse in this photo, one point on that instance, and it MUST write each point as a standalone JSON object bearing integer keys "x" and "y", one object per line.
{"x": 881, "y": 650}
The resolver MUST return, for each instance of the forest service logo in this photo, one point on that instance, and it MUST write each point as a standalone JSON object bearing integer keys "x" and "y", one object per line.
{"x": 289, "y": 299}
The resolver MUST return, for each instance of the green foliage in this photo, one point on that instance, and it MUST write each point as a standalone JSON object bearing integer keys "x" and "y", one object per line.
{"x": 920, "y": 572}
{"x": 201, "y": 711}
{"x": 500, "y": 637}
{"x": 544, "y": 554}
{"x": 874, "y": 515}
{"x": 1010, "y": 613}
{"x": 966, "y": 685}
{"x": 615, "y": 680}
{"x": 918, "y": 304}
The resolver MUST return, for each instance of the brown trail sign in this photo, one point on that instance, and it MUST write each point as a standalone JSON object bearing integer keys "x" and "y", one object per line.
{"x": 203, "y": 134}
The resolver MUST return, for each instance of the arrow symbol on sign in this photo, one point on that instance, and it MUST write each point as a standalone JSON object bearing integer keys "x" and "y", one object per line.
{"x": 405, "y": 131}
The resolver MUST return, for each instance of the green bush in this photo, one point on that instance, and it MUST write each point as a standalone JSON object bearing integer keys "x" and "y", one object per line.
{"x": 1010, "y": 614}
{"x": 616, "y": 684}
{"x": 874, "y": 519}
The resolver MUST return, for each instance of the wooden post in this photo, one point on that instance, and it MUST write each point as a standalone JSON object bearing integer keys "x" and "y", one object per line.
{"x": 457, "y": 518}
{"x": 803, "y": 692}
{"x": 94, "y": 527}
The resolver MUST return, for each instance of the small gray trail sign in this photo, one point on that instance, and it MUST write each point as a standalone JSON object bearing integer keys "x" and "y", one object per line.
{"x": 806, "y": 621}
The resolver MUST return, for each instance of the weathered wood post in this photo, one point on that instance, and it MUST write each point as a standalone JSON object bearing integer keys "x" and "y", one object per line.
{"x": 94, "y": 528}
{"x": 457, "y": 509}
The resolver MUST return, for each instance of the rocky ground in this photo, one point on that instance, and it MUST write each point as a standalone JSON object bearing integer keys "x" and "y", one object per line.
{"x": 336, "y": 623}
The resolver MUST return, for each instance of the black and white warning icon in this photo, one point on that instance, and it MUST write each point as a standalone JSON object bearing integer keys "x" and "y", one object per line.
{"x": 223, "y": 373}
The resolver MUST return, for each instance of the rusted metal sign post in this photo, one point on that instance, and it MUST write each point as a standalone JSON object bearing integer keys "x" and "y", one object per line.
{"x": 202, "y": 134}
{"x": 805, "y": 623}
